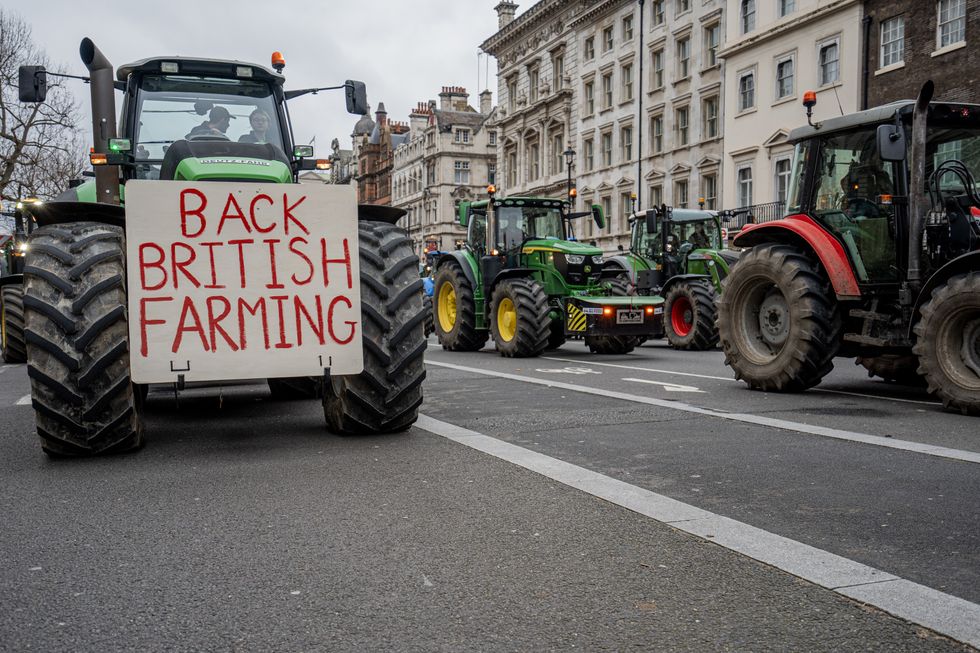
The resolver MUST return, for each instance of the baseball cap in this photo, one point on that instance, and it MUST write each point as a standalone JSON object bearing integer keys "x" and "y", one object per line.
{"x": 220, "y": 113}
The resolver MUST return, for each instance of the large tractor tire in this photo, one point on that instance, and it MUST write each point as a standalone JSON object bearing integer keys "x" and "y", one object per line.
{"x": 296, "y": 387}
{"x": 455, "y": 311}
{"x": 12, "y": 324}
{"x": 948, "y": 343}
{"x": 893, "y": 368}
{"x": 520, "y": 318}
{"x": 78, "y": 341}
{"x": 430, "y": 322}
{"x": 556, "y": 336}
{"x": 386, "y": 396}
{"x": 778, "y": 320}
{"x": 615, "y": 345}
{"x": 690, "y": 316}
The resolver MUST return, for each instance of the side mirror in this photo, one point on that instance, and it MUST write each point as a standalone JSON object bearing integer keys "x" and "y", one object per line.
{"x": 599, "y": 216}
{"x": 463, "y": 213}
{"x": 685, "y": 249}
{"x": 32, "y": 83}
{"x": 651, "y": 220}
{"x": 356, "y": 95}
{"x": 891, "y": 143}
{"x": 620, "y": 247}
{"x": 302, "y": 151}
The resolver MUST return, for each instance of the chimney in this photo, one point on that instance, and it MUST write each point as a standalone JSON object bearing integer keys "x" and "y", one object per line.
{"x": 453, "y": 98}
{"x": 419, "y": 119}
{"x": 505, "y": 13}
{"x": 486, "y": 102}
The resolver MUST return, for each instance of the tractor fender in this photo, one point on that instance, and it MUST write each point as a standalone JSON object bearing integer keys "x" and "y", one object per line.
{"x": 677, "y": 278}
{"x": 379, "y": 213}
{"x": 11, "y": 279}
{"x": 969, "y": 262}
{"x": 624, "y": 265}
{"x": 56, "y": 212}
{"x": 508, "y": 273}
{"x": 464, "y": 262}
{"x": 802, "y": 231}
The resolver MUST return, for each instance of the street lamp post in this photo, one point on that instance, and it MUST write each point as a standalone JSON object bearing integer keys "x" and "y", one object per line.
{"x": 569, "y": 160}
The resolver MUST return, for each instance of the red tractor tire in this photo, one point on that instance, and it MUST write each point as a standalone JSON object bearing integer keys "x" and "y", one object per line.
{"x": 690, "y": 316}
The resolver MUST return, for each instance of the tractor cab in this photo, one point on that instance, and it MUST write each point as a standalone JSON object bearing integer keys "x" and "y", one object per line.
{"x": 671, "y": 238}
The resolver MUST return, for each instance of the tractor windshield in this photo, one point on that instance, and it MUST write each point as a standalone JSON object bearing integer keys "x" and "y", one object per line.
{"x": 644, "y": 243}
{"x": 516, "y": 224}
{"x": 953, "y": 143}
{"x": 703, "y": 234}
{"x": 171, "y": 108}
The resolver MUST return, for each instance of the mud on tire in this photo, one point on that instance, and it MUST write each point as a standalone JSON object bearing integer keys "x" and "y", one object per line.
{"x": 78, "y": 341}
{"x": 524, "y": 302}
{"x": 778, "y": 320}
{"x": 690, "y": 316}
{"x": 386, "y": 396}
{"x": 12, "y": 324}
{"x": 456, "y": 328}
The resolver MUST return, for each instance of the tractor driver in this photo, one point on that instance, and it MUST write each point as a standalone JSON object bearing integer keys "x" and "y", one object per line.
{"x": 216, "y": 125}
{"x": 699, "y": 238}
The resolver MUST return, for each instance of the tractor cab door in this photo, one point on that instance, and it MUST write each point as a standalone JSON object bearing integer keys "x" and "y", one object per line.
{"x": 853, "y": 197}
{"x": 476, "y": 229}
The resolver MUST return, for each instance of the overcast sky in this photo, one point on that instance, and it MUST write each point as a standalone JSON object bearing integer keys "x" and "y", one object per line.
{"x": 404, "y": 50}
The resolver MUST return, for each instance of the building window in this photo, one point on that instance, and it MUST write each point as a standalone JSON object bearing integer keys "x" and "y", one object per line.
{"x": 709, "y": 191}
{"x": 658, "y": 69}
{"x": 461, "y": 172}
{"x": 512, "y": 168}
{"x": 492, "y": 173}
{"x": 607, "y": 39}
{"x": 627, "y": 27}
{"x": 607, "y": 91}
{"x": 558, "y": 71}
{"x": 681, "y": 125}
{"x": 430, "y": 173}
{"x": 533, "y": 161}
{"x": 462, "y": 136}
{"x": 606, "y": 145}
{"x": 626, "y": 203}
{"x": 656, "y": 195}
{"x": 683, "y": 57}
{"x": 532, "y": 84}
{"x": 785, "y": 76}
{"x": 952, "y": 22}
{"x": 712, "y": 39}
{"x": 590, "y": 48}
{"x": 746, "y": 91}
{"x": 627, "y": 77}
{"x": 657, "y": 131}
{"x": 493, "y": 137}
{"x": 607, "y": 210}
{"x": 683, "y": 6}
{"x": 786, "y": 7}
{"x": 681, "y": 194}
{"x": 658, "y": 12}
{"x": 709, "y": 116}
{"x": 557, "y": 153}
{"x": 626, "y": 144}
{"x": 829, "y": 61}
{"x": 589, "y": 98}
{"x": 783, "y": 171}
{"x": 589, "y": 146}
{"x": 747, "y": 15}
{"x": 512, "y": 93}
{"x": 892, "y": 41}
{"x": 744, "y": 186}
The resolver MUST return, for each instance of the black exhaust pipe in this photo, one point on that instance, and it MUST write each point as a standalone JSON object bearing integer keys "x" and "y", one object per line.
{"x": 918, "y": 204}
{"x": 103, "y": 118}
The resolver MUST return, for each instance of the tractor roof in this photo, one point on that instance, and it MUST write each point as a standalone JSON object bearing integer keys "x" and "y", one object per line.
{"x": 192, "y": 66}
{"x": 523, "y": 201}
{"x": 683, "y": 215}
{"x": 875, "y": 116}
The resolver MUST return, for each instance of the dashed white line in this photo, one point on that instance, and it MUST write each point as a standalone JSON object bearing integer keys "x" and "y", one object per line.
{"x": 943, "y": 613}
{"x": 782, "y": 424}
{"x": 24, "y": 401}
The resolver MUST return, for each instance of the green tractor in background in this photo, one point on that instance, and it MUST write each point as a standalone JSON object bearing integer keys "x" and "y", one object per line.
{"x": 680, "y": 254}
{"x": 521, "y": 281}
{"x": 12, "y": 253}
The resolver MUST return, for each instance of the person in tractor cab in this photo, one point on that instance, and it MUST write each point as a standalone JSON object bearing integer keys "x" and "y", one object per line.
{"x": 216, "y": 125}
{"x": 699, "y": 238}
{"x": 259, "y": 121}
{"x": 866, "y": 180}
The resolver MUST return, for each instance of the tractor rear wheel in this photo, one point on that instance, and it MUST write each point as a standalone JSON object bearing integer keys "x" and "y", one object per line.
{"x": 948, "y": 343}
{"x": 613, "y": 345}
{"x": 894, "y": 368}
{"x": 12, "y": 324}
{"x": 386, "y": 396}
{"x": 690, "y": 316}
{"x": 778, "y": 320}
{"x": 520, "y": 318}
{"x": 78, "y": 341}
{"x": 556, "y": 337}
{"x": 429, "y": 322}
{"x": 455, "y": 311}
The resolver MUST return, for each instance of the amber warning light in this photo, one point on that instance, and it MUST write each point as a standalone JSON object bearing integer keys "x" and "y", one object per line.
{"x": 278, "y": 61}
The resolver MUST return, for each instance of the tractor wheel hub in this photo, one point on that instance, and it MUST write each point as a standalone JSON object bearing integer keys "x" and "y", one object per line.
{"x": 774, "y": 318}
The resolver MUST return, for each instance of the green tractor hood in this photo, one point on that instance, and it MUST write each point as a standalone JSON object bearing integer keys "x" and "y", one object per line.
{"x": 226, "y": 168}
{"x": 563, "y": 246}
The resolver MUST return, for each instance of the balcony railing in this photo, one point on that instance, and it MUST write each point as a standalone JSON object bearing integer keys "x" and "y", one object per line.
{"x": 756, "y": 213}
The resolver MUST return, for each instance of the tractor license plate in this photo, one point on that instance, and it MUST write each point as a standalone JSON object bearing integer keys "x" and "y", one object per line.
{"x": 629, "y": 316}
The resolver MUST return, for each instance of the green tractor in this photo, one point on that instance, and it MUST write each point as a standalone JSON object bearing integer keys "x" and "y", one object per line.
{"x": 12, "y": 255}
{"x": 680, "y": 254}
{"x": 520, "y": 280}
{"x": 96, "y": 336}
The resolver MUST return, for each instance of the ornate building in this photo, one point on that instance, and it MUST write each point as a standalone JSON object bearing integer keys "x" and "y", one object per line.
{"x": 375, "y": 157}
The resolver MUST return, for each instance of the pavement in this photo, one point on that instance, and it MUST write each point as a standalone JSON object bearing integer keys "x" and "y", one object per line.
{"x": 545, "y": 504}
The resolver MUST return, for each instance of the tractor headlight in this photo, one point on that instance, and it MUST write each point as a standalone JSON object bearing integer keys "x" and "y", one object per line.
{"x": 23, "y": 247}
{"x": 575, "y": 259}
{"x": 598, "y": 260}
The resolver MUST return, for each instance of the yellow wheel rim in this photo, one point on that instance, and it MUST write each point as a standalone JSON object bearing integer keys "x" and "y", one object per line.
{"x": 506, "y": 319}
{"x": 447, "y": 307}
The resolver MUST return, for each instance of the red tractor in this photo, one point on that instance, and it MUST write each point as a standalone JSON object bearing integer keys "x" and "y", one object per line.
{"x": 878, "y": 258}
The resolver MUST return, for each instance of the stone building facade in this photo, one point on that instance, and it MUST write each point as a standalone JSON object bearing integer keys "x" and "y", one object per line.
{"x": 911, "y": 41}
{"x": 634, "y": 89}
{"x": 447, "y": 155}
{"x": 375, "y": 158}
{"x": 777, "y": 50}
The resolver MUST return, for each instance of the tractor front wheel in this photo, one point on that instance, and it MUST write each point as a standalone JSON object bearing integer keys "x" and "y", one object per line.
{"x": 778, "y": 320}
{"x": 690, "y": 316}
{"x": 455, "y": 311}
{"x": 12, "y": 324}
{"x": 520, "y": 318}
{"x": 386, "y": 396}
{"x": 948, "y": 343}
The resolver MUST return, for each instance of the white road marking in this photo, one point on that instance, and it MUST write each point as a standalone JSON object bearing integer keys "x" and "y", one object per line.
{"x": 943, "y": 613}
{"x": 782, "y": 424}
{"x": 669, "y": 387}
{"x": 24, "y": 401}
{"x": 568, "y": 370}
{"x": 734, "y": 380}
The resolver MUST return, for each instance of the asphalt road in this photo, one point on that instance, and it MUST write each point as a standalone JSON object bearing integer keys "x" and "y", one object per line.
{"x": 244, "y": 526}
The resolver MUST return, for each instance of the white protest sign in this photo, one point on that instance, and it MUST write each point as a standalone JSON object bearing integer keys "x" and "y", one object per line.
{"x": 242, "y": 280}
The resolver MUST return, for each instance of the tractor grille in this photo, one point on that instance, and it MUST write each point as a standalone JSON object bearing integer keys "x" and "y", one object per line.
{"x": 574, "y": 273}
